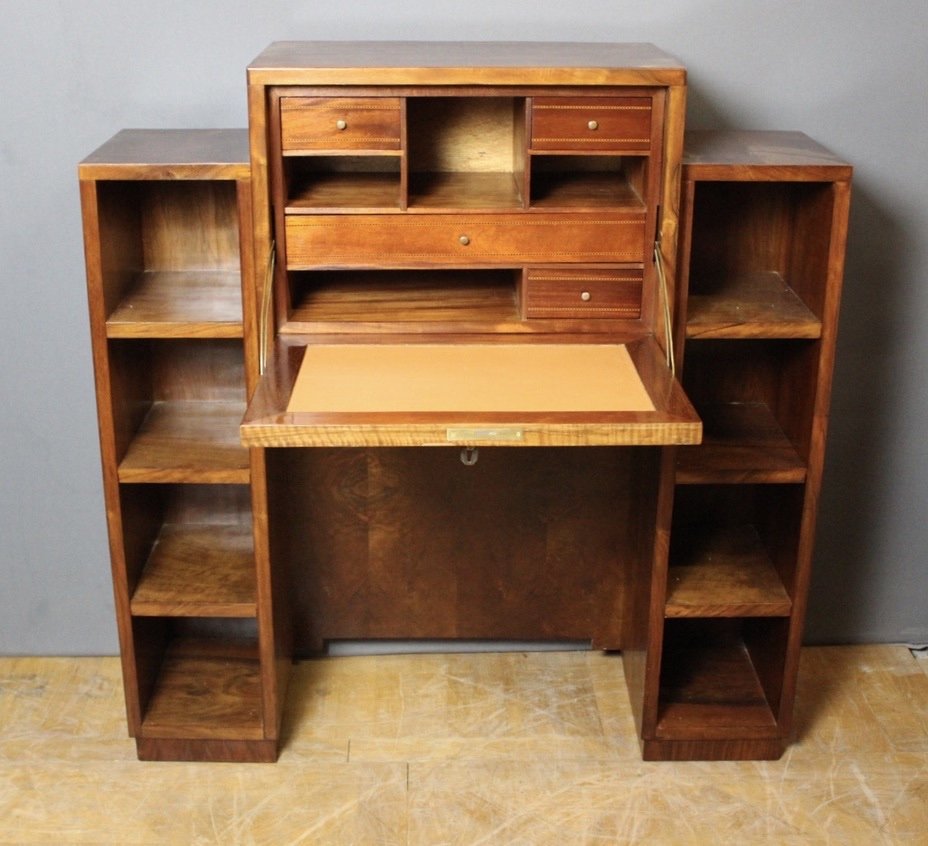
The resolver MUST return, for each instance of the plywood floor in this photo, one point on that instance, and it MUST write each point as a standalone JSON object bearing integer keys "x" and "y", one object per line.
{"x": 515, "y": 748}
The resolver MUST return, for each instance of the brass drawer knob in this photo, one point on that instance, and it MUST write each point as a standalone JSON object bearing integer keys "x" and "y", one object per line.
{"x": 341, "y": 124}
{"x": 593, "y": 124}
{"x": 585, "y": 296}
{"x": 464, "y": 240}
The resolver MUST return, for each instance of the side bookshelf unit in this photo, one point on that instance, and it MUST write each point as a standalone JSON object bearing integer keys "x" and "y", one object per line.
{"x": 167, "y": 230}
{"x": 763, "y": 230}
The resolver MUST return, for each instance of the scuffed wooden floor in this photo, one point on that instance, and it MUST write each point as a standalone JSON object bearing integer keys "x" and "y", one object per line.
{"x": 511, "y": 748}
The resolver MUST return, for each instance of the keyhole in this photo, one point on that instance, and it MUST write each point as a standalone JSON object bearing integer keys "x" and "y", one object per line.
{"x": 469, "y": 456}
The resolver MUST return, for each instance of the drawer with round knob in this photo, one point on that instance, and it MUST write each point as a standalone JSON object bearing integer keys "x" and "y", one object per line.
{"x": 310, "y": 124}
{"x": 591, "y": 124}
{"x": 489, "y": 240}
{"x": 575, "y": 292}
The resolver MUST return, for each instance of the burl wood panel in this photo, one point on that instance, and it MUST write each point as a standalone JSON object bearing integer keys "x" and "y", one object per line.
{"x": 407, "y": 543}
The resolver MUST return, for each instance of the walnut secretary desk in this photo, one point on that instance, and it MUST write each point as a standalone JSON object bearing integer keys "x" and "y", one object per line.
{"x": 462, "y": 341}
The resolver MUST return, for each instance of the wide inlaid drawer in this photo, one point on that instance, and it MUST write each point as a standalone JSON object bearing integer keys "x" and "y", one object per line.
{"x": 385, "y": 240}
{"x": 577, "y": 292}
{"x": 340, "y": 123}
{"x": 591, "y": 124}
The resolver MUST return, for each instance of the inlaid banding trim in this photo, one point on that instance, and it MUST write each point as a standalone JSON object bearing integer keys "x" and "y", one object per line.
{"x": 595, "y": 107}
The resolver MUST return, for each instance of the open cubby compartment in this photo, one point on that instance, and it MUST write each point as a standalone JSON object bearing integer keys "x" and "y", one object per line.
{"x": 466, "y": 152}
{"x": 733, "y": 550}
{"x": 188, "y": 550}
{"x": 348, "y": 182}
{"x": 721, "y": 679}
{"x": 199, "y": 678}
{"x": 171, "y": 263}
{"x": 177, "y": 405}
{"x": 588, "y": 181}
{"x": 354, "y": 300}
{"x": 756, "y": 399}
{"x": 759, "y": 258}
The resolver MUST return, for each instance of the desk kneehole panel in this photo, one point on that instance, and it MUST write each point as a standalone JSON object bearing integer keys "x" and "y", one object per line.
{"x": 385, "y": 240}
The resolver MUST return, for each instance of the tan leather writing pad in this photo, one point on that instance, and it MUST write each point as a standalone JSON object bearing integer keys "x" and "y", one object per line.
{"x": 468, "y": 377}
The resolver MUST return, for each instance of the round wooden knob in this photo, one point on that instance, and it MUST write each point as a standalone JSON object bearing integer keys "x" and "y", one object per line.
{"x": 341, "y": 124}
{"x": 593, "y": 124}
{"x": 585, "y": 296}
{"x": 464, "y": 240}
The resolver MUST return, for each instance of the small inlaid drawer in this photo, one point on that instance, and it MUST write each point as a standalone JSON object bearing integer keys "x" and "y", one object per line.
{"x": 591, "y": 124}
{"x": 309, "y": 124}
{"x": 572, "y": 292}
{"x": 491, "y": 240}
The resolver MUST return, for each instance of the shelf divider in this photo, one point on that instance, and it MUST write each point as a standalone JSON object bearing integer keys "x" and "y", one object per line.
{"x": 188, "y": 441}
{"x": 198, "y": 570}
{"x": 723, "y": 572}
{"x": 208, "y": 688}
{"x": 749, "y": 305}
{"x": 710, "y": 689}
{"x": 742, "y": 443}
{"x": 180, "y": 304}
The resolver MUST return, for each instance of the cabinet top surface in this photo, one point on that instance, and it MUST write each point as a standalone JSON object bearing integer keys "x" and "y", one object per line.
{"x": 170, "y": 153}
{"x": 749, "y": 154}
{"x": 464, "y": 62}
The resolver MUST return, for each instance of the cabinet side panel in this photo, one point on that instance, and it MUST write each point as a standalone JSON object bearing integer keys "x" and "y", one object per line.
{"x": 275, "y": 624}
{"x": 672, "y": 169}
{"x": 833, "y": 282}
{"x": 251, "y": 304}
{"x": 100, "y": 214}
{"x": 119, "y": 234}
{"x": 646, "y": 587}
{"x": 262, "y": 228}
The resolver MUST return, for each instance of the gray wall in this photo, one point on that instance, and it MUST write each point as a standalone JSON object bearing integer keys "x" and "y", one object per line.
{"x": 851, "y": 73}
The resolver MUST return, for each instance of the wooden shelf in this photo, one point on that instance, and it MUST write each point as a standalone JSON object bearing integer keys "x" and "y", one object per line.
{"x": 749, "y": 305}
{"x": 188, "y": 441}
{"x": 207, "y": 689}
{"x": 327, "y": 192}
{"x": 340, "y": 301}
{"x": 583, "y": 190}
{"x": 742, "y": 443}
{"x": 198, "y": 570}
{"x": 180, "y": 304}
{"x": 710, "y": 690}
{"x": 723, "y": 571}
{"x": 455, "y": 191}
